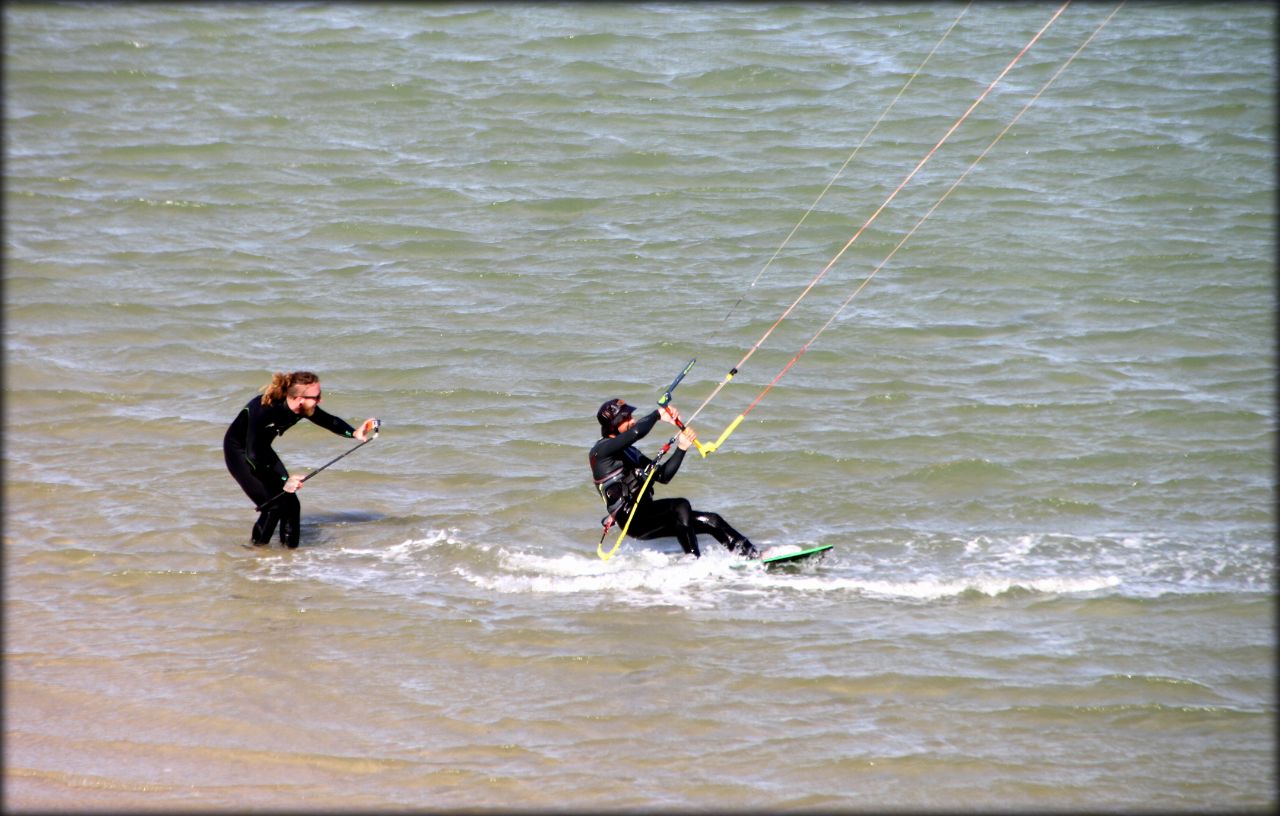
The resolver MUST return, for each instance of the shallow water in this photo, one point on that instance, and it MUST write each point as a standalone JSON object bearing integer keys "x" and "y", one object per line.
{"x": 1041, "y": 439}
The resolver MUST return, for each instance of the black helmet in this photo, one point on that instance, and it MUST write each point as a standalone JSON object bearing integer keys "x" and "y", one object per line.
{"x": 613, "y": 413}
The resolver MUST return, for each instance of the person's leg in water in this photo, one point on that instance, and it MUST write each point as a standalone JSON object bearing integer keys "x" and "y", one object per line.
{"x": 659, "y": 518}
{"x": 290, "y": 510}
{"x": 257, "y": 491}
{"x": 676, "y": 517}
{"x": 714, "y": 525}
{"x": 265, "y": 526}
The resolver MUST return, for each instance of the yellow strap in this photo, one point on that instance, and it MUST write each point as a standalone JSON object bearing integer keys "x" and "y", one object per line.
{"x": 599, "y": 547}
{"x": 709, "y": 448}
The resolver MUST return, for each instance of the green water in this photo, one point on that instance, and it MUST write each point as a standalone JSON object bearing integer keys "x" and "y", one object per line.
{"x": 1041, "y": 438}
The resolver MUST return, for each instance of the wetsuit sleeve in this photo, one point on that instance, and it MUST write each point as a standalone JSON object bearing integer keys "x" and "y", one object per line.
{"x": 616, "y": 445}
{"x": 327, "y": 420}
{"x": 668, "y": 470}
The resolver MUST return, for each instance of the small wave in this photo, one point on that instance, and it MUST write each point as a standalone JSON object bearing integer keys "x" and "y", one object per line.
{"x": 925, "y": 569}
{"x": 409, "y": 548}
{"x": 941, "y": 589}
{"x": 647, "y": 576}
{"x": 966, "y": 473}
{"x": 369, "y": 566}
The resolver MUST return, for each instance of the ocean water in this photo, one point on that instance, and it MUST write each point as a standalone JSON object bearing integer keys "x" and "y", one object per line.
{"x": 1041, "y": 438}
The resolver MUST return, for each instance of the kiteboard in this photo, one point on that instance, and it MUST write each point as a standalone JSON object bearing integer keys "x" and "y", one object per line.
{"x": 786, "y": 556}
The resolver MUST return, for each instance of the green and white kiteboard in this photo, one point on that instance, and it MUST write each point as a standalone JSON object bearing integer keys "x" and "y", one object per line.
{"x": 787, "y": 558}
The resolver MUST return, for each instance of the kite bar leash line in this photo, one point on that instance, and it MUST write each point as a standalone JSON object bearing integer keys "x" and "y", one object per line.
{"x": 847, "y": 161}
{"x": 924, "y": 217}
{"x": 377, "y": 425}
{"x": 706, "y": 449}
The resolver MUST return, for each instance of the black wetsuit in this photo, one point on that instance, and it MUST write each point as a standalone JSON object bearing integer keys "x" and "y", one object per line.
{"x": 255, "y": 465}
{"x": 619, "y": 472}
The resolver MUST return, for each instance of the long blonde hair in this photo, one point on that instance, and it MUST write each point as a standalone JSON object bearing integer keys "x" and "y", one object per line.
{"x": 281, "y": 384}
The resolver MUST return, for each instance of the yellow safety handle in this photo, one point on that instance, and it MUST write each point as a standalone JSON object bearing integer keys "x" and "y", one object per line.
{"x": 709, "y": 448}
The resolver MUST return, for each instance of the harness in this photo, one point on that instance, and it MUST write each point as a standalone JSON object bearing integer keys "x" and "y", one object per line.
{"x": 620, "y": 488}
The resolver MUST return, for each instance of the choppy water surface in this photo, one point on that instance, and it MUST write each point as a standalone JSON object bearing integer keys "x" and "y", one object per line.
{"x": 1041, "y": 439}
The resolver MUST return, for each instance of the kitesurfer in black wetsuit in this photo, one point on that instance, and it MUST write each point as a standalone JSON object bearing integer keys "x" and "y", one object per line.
{"x": 619, "y": 470}
{"x": 285, "y": 401}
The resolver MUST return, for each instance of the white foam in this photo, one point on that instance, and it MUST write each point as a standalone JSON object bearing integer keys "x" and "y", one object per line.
{"x": 648, "y": 576}
{"x": 642, "y": 576}
{"x": 337, "y": 565}
{"x": 407, "y": 549}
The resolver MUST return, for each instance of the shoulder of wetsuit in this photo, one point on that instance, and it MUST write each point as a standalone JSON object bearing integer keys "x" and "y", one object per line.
{"x": 607, "y": 455}
{"x": 278, "y": 416}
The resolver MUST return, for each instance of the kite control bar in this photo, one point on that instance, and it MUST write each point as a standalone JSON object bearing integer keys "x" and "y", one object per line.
{"x": 665, "y": 399}
{"x": 375, "y": 425}
{"x": 666, "y": 395}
